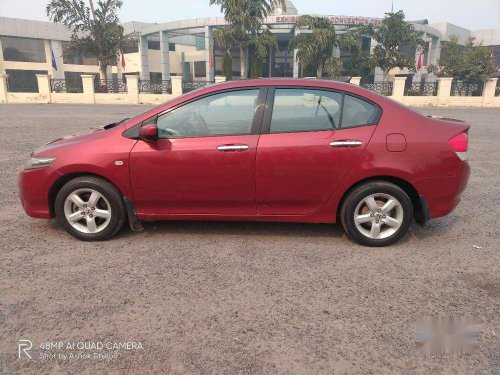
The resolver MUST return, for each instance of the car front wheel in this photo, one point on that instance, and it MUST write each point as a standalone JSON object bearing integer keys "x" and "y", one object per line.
{"x": 377, "y": 213}
{"x": 90, "y": 208}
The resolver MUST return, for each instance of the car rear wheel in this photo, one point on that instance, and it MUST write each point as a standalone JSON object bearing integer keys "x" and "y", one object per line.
{"x": 377, "y": 213}
{"x": 90, "y": 208}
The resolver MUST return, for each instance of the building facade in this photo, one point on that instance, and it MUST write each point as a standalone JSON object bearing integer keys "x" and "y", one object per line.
{"x": 187, "y": 48}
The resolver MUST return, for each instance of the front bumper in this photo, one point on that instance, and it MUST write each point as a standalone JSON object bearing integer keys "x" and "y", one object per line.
{"x": 442, "y": 194}
{"x": 34, "y": 187}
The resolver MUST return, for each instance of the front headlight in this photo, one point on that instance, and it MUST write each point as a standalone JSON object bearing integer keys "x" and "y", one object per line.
{"x": 35, "y": 163}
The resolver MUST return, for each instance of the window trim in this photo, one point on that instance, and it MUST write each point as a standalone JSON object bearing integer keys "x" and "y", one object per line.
{"x": 257, "y": 120}
{"x": 266, "y": 125}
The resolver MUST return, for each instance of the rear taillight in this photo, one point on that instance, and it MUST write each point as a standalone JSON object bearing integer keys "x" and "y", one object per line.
{"x": 459, "y": 144}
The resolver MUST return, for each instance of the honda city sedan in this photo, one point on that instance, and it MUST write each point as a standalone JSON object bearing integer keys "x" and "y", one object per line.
{"x": 287, "y": 150}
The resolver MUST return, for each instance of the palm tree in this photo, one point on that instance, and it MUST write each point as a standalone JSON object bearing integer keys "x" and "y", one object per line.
{"x": 245, "y": 18}
{"x": 315, "y": 39}
{"x": 95, "y": 31}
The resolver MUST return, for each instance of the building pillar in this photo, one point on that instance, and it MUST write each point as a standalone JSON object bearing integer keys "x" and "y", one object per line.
{"x": 243, "y": 63}
{"x": 270, "y": 62}
{"x": 398, "y": 88}
{"x": 119, "y": 69}
{"x": 355, "y": 81}
{"x": 3, "y": 88}
{"x": 165, "y": 58}
{"x": 489, "y": 88}
{"x": 88, "y": 88}
{"x": 336, "y": 52}
{"x": 444, "y": 90}
{"x": 44, "y": 87}
{"x": 295, "y": 64}
{"x": 209, "y": 53}
{"x": 143, "y": 53}
{"x": 295, "y": 60}
{"x": 57, "y": 49}
{"x": 434, "y": 53}
{"x": 133, "y": 88}
{"x": 219, "y": 79}
{"x": 378, "y": 74}
{"x": 2, "y": 66}
{"x": 176, "y": 85}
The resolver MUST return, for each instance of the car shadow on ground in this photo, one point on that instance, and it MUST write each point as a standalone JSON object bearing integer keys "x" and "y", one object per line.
{"x": 238, "y": 227}
{"x": 436, "y": 227}
{"x": 229, "y": 228}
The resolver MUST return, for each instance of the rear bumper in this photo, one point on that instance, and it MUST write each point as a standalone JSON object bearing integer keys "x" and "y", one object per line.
{"x": 34, "y": 186}
{"x": 442, "y": 194}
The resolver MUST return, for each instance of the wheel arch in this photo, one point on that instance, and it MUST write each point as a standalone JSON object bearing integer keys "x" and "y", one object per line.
{"x": 61, "y": 181}
{"x": 408, "y": 188}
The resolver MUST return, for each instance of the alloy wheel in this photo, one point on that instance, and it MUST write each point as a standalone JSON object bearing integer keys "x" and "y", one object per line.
{"x": 378, "y": 216}
{"x": 87, "y": 210}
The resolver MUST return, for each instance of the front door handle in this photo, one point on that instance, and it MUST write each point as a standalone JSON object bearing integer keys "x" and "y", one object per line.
{"x": 233, "y": 148}
{"x": 346, "y": 143}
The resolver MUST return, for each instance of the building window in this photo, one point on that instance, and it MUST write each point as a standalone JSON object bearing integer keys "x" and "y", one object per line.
{"x": 71, "y": 56}
{"x": 23, "y": 49}
{"x": 496, "y": 53}
{"x": 200, "y": 69}
{"x": 23, "y": 80}
{"x": 155, "y": 77}
{"x": 130, "y": 48}
{"x": 154, "y": 44}
{"x": 366, "y": 44}
{"x": 200, "y": 43}
{"x": 74, "y": 81}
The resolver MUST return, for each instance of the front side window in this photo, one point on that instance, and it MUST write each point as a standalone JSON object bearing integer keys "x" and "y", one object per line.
{"x": 227, "y": 113}
{"x": 297, "y": 110}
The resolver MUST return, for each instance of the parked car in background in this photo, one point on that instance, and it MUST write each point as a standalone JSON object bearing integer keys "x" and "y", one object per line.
{"x": 285, "y": 150}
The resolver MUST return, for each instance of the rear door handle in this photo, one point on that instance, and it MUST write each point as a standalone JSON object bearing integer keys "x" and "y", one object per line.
{"x": 346, "y": 143}
{"x": 232, "y": 148}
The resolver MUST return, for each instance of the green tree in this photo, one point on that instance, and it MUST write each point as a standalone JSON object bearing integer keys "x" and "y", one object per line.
{"x": 358, "y": 64}
{"x": 245, "y": 19}
{"x": 315, "y": 40}
{"x": 95, "y": 30}
{"x": 394, "y": 34}
{"x": 469, "y": 63}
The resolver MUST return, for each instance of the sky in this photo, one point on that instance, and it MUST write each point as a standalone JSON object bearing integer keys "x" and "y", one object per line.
{"x": 471, "y": 14}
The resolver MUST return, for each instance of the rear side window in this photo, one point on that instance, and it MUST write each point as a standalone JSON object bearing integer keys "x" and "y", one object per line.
{"x": 357, "y": 112}
{"x": 301, "y": 109}
{"x": 297, "y": 110}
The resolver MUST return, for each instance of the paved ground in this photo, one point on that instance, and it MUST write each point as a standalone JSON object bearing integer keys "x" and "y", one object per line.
{"x": 243, "y": 298}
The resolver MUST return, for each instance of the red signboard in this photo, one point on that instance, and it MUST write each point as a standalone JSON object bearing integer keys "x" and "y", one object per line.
{"x": 337, "y": 20}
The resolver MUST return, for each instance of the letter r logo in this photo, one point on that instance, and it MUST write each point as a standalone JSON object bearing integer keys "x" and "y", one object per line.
{"x": 24, "y": 346}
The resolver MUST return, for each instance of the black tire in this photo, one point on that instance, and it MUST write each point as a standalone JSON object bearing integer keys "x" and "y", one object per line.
{"x": 110, "y": 193}
{"x": 357, "y": 195}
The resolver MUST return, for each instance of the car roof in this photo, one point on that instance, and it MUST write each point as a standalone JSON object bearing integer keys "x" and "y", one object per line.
{"x": 298, "y": 82}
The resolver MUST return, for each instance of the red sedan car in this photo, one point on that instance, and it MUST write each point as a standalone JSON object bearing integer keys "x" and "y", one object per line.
{"x": 262, "y": 150}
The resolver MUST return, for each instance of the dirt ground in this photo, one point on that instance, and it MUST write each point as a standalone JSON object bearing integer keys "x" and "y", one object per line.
{"x": 242, "y": 298}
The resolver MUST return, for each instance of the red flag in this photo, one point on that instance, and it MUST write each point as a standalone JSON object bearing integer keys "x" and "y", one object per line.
{"x": 123, "y": 62}
{"x": 211, "y": 60}
{"x": 419, "y": 64}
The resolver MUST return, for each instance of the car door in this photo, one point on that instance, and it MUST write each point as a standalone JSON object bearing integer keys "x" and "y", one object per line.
{"x": 311, "y": 139}
{"x": 204, "y": 160}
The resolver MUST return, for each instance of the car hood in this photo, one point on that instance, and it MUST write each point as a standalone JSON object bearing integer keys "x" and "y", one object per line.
{"x": 71, "y": 140}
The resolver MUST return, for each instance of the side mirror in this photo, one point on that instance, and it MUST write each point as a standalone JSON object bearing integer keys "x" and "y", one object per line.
{"x": 149, "y": 132}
